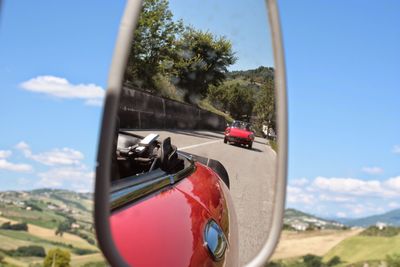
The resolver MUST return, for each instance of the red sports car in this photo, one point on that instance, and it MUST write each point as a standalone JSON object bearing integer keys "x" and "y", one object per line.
{"x": 239, "y": 132}
{"x": 170, "y": 208}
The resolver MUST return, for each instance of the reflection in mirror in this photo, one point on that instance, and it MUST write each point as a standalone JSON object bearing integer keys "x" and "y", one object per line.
{"x": 195, "y": 145}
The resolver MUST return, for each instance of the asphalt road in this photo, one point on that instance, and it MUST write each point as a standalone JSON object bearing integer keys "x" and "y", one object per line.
{"x": 252, "y": 179}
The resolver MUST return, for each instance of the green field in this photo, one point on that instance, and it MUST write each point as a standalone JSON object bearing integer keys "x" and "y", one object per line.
{"x": 365, "y": 248}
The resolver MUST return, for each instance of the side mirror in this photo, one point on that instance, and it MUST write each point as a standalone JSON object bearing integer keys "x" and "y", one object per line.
{"x": 171, "y": 187}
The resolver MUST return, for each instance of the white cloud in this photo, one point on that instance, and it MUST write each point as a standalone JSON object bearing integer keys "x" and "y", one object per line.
{"x": 393, "y": 205}
{"x": 56, "y": 156}
{"x": 393, "y": 183}
{"x": 341, "y": 214}
{"x": 62, "y": 88}
{"x": 70, "y": 177}
{"x": 336, "y": 198}
{"x": 16, "y": 167}
{"x": 350, "y": 186}
{"x": 299, "y": 182}
{"x": 396, "y": 149}
{"x": 296, "y": 195}
{"x": 372, "y": 170}
{"x": 9, "y": 166}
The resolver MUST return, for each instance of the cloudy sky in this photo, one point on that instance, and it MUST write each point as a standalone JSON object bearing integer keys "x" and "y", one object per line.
{"x": 342, "y": 66}
{"x": 343, "y": 76}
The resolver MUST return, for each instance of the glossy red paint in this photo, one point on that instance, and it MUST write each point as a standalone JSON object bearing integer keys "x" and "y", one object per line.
{"x": 166, "y": 229}
{"x": 238, "y": 135}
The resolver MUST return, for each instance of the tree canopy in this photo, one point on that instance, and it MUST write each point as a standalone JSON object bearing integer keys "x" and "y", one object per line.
{"x": 57, "y": 258}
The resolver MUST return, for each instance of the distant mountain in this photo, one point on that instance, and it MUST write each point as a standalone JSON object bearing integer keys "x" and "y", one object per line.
{"x": 299, "y": 220}
{"x": 390, "y": 218}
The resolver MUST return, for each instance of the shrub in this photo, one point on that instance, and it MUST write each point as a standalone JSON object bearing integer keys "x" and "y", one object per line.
{"x": 334, "y": 261}
{"x": 28, "y": 251}
{"x": 83, "y": 251}
{"x": 312, "y": 260}
{"x": 15, "y": 227}
{"x": 57, "y": 257}
{"x": 388, "y": 231}
{"x": 393, "y": 260}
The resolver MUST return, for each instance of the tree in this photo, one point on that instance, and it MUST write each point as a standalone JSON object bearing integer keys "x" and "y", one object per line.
{"x": 64, "y": 226}
{"x": 201, "y": 60}
{"x": 264, "y": 108}
{"x": 153, "y": 43}
{"x": 57, "y": 258}
{"x": 237, "y": 99}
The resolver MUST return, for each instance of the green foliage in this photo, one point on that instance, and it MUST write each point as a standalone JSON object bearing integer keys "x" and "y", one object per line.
{"x": 33, "y": 205}
{"x": 89, "y": 239}
{"x": 63, "y": 227}
{"x": 274, "y": 146}
{"x": 388, "y": 231}
{"x": 83, "y": 251}
{"x": 153, "y": 43}
{"x": 334, "y": 261}
{"x": 393, "y": 260}
{"x": 259, "y": 75}
{"x": 312, "y": 260}
{"x": 236, "y": 99}
{"x": 264, "y": 108}
{"x": 57, "y": 258}
{"x": 27, "y": 251}
{"x": 15, "y": 227}
{"x": 202, "y": 60}
{"x": 288, "y": 227}
{"x": 95, "y": 264}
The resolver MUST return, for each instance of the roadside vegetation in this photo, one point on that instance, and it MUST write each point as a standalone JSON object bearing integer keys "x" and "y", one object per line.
{"x": 174, "y": 60}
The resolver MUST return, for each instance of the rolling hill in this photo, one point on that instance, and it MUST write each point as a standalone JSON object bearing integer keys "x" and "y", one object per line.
{"x": 46, "y": 211}
{"x": 301, "y": 221}
{"x": 390, "y": 218}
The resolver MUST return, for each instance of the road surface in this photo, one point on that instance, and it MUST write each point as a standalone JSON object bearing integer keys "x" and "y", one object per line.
{"x": 252, "y": 179}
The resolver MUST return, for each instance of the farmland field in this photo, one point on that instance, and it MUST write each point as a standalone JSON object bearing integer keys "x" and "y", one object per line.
{"x": 296, "y": 244}
{"x": 365, "y": 248}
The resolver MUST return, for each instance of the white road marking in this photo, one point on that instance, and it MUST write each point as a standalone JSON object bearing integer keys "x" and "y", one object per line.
{"x": 202, "y": 144}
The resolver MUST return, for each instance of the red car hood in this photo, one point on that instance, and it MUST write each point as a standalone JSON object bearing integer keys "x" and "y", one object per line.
{"x": 239, "y": 133}
{"x": 167, "y": 228}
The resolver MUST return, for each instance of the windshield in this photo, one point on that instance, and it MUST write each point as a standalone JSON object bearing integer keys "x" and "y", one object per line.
{"x": 241, "y": 125}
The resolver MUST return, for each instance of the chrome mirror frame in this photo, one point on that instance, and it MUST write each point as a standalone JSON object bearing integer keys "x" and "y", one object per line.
{"x": 107, "y": 131}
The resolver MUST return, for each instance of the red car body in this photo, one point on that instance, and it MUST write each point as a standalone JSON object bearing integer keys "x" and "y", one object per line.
{"x": 238, "y": 134}
{"x": 167, "y": 228}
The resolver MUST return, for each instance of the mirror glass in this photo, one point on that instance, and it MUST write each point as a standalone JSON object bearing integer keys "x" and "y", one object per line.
{"x": 195, "y": 144}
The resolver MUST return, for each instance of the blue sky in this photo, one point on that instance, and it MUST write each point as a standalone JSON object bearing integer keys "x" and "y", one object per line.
{"x": 342, "y": 62}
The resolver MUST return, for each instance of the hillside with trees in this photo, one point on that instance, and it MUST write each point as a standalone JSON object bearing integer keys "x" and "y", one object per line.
{"x": 180, "y": 62}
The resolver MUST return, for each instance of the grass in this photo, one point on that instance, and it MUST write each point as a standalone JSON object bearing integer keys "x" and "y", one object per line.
{"x": 7, "y": 242}
{"x": 94, "y": 259}
{"x": 205, "y": 104}
{"x": 40, "y": 218}
{"x": 274, "y": 145}
{"x": 365, "y": 248}
{"x": 297, "y": 244}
